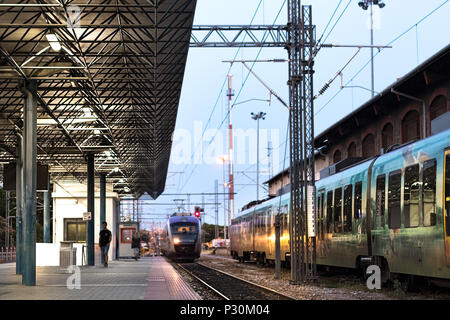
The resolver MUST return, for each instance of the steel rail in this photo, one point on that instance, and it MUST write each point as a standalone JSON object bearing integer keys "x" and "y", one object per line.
{"x": 248, "y": 282}
{"x": 203, "y": 282}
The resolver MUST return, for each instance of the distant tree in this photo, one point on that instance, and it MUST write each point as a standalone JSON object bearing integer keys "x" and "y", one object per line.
{"x": 209, "y": 231}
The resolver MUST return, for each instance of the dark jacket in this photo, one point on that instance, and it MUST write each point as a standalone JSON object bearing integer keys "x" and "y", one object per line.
{"x": 136, "y": 243}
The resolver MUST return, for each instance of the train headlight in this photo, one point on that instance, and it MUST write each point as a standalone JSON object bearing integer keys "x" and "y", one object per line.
{"x": 176, "y": 241}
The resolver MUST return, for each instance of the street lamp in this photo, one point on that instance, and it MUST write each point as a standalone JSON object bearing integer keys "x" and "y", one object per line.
{"x": 365, "y": 5}
{"x": 257, "y": 117}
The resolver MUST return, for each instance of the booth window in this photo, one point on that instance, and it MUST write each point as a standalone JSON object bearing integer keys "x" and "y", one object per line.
{"x": 75, "y": 230}
{"x": 126, "y": 235}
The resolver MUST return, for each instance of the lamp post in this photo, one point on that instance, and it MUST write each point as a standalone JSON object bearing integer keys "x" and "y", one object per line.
{"x": 258, "y": 116}
{"x": 365, "y": 5}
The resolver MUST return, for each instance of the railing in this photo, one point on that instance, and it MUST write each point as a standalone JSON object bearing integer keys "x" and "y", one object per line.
{"x": 7, "y": 254}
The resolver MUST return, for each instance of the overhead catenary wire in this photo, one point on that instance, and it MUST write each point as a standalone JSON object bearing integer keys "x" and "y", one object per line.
{"x": 218, "y": 97}
{"x": 237, "y": 96}
{"x": 381, "y": 50}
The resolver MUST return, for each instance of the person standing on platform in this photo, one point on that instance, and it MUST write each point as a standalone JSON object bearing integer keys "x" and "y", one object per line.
{"x": 104, "y": 241}
{"x": 136, "y": 245}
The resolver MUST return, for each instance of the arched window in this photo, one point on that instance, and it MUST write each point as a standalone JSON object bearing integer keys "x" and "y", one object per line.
{"x": 387, "y": 136}
{"x": 438, "y": 107}
{"x": 368, "y": 146}
{"x": 337, "y": 156}
{"x": 351, "y": 151}
{"x": 411, "y": 126}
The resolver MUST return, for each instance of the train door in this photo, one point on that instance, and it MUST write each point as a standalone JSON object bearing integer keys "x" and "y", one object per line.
{"x": 447, "y": 205}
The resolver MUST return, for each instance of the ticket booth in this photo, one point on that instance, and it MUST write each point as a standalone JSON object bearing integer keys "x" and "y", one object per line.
{"x": 126, "y": 232}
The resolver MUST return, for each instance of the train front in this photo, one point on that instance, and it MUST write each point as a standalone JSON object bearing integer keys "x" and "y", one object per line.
{"x": 185, "y": 237}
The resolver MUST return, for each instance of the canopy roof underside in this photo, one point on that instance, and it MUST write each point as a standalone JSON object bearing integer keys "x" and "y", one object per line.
{"x": 112, "y": 89}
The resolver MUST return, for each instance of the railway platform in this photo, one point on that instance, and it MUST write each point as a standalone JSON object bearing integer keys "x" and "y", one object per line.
{"x": 151, "y": 278}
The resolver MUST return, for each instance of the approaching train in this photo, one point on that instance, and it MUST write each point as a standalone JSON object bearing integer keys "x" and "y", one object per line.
{"x": 180, "y": 239}
{"x": 391, "y": 210}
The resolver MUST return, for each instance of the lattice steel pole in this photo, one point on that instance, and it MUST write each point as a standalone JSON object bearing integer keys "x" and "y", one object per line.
{"x": 300, "y": 48}
{"x": 308, "y": 212}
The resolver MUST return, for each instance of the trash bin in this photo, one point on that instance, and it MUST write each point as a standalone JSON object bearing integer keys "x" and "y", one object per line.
{"x": 67, "y": 255}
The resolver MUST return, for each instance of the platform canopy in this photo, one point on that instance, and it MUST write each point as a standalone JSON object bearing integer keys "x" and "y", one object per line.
{"x": 109, "y": 77}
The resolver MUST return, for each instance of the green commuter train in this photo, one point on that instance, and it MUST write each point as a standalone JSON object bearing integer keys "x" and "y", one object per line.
{"x": 392, "y": 210}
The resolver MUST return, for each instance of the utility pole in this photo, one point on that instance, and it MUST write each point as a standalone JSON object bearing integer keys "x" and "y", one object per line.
{"x": 216, "y": 209}
{"x": 230, "y": 95}
{"x": 257, "y": 117}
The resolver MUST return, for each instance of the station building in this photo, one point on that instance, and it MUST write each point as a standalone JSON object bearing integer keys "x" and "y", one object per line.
{"x": 413, "y": 108}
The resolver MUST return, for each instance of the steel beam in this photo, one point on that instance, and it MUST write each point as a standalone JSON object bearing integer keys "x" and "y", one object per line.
{"x": 90, "y": 208}
{"x": 29, "y": 89}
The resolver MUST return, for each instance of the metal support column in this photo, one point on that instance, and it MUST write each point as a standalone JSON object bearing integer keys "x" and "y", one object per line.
{"x": 102, "y": 197}
{"x": 19, "y": 203}
{"x": 90, "y": 208}
{"x": 7, "y": 197}
{"x": 47, "y": 217}
{"x": 29, "y": 89}
{"x": 102, "y": 205}
{"x": 300, "y": 47}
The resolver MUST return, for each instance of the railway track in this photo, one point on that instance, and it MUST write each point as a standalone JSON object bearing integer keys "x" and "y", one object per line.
{"x": 229, "y": 287}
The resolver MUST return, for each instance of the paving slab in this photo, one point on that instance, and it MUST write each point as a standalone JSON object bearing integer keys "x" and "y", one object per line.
{"x": 152, "y": 278}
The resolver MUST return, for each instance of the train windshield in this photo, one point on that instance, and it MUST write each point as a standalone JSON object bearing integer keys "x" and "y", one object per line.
{"x": 183, "y": 228}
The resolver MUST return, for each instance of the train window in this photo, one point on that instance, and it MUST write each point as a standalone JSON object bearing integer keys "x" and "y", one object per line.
{"x": 380, "y": 197}
{"x": 358, "y": 200}
{"x": 183, "y": 227}
{"x": 348, "y": 208}
{"x": 429, "y": 193}
{"x": 411, "y": 196}
{"x": 394, "y": 190}
{"x": 320, "y": 215}
{"x": 330, "y": 211}
{"x": 337, "y": 210}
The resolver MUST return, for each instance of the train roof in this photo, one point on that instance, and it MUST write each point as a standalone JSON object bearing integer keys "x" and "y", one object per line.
{"x": 415, "y": 150}
{"x": 263, "y": 205}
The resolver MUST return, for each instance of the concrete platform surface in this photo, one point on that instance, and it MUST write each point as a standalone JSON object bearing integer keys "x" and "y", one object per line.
{"x": 150, "y": 278}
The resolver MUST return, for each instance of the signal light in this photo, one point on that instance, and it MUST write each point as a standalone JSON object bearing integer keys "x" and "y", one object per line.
{"x": 197, "y": 212}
